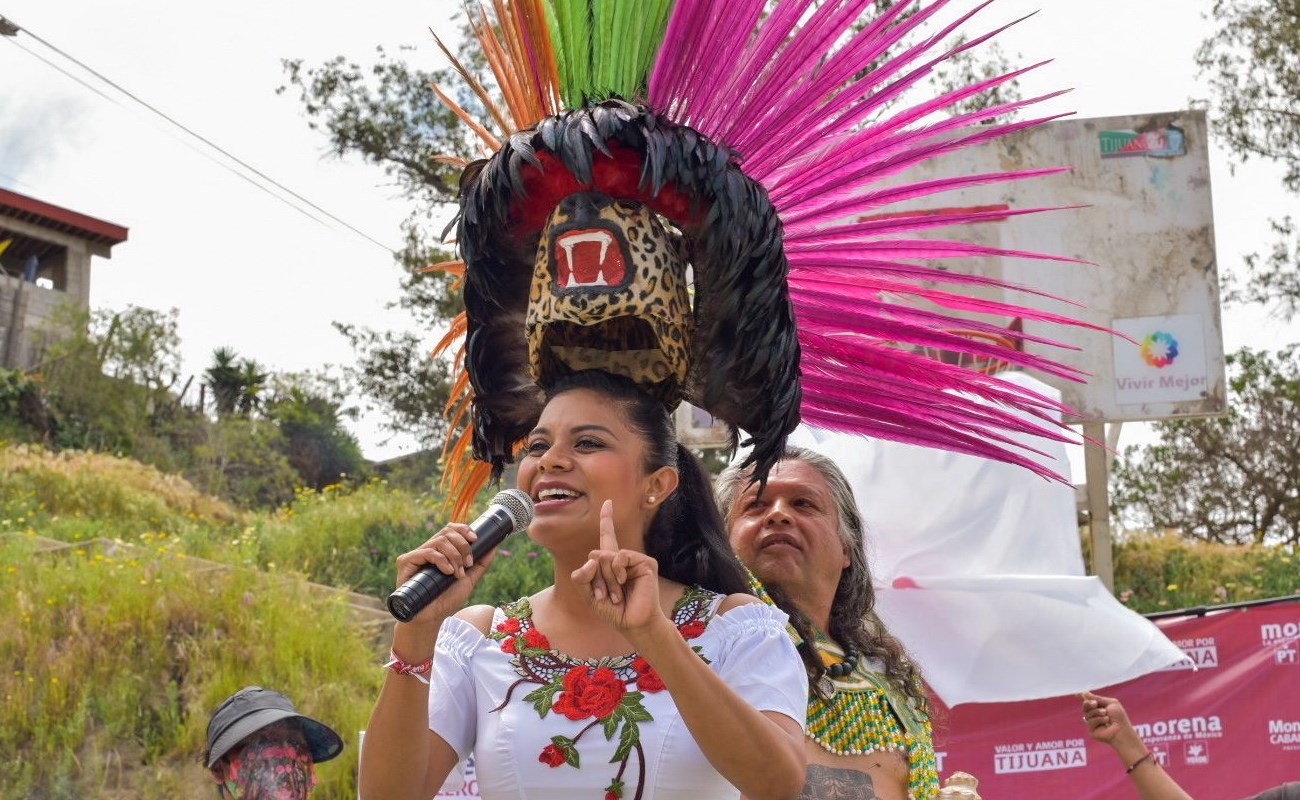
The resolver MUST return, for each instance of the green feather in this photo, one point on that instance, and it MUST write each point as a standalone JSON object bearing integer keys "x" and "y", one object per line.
{"x": 605, "y": 48}
{"x": 562, "y": 67}
{"x": 571, "y": 31}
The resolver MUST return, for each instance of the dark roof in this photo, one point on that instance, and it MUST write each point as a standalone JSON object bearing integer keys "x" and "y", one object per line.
{"x": 46, "y": 215}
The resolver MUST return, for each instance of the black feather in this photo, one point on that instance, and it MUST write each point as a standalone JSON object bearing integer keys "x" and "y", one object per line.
{"x": 745, "y": 357}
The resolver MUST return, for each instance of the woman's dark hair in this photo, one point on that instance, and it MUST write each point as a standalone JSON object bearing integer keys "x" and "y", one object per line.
{"x": 687, "y": 536}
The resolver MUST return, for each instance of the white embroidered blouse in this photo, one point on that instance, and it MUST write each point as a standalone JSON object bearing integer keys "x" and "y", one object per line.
{"x": 544, "y": 726}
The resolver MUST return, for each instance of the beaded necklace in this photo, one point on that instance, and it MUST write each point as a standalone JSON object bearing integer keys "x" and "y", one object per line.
{"x": 865, "y": 714}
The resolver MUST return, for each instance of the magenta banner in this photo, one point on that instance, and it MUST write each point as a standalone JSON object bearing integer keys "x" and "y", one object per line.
{"x": 1225, "y": 730}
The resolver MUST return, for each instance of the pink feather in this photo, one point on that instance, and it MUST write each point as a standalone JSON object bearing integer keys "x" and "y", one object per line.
{"x": 805, "y": 101}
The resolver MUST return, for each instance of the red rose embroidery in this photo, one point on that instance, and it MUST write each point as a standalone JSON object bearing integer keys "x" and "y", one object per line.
{"x": 612, "y": 796}
{"x": 692, "y": 629}
{"x": 508, "y": 646}
{"x": 647, "y": 680}
{"x": 534, "y": 638}
{"x": 551, "y": 756}
{"x": 589, "y": 693}
{"x": 510, "y": 625}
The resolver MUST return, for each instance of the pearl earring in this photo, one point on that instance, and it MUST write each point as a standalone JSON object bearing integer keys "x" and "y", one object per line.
{"x": 652, "y": 499}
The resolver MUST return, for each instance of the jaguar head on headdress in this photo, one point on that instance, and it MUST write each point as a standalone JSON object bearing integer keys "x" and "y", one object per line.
{"x": 609, "y": 292}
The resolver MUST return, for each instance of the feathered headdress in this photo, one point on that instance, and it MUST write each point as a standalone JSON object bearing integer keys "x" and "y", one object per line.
{"x": 689, "y": 193}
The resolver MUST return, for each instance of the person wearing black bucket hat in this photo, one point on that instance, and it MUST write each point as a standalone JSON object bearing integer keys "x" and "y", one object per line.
{"x": 261, "y": 748}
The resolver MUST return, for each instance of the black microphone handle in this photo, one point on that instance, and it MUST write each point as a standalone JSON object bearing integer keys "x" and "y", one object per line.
{"x": 429, "y": 583}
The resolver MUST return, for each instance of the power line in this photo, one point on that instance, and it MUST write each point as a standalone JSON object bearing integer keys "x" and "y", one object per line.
{"x": 187, "y": 141}
{"x": 68, "y": 74}
{"x": 9, "y": 29}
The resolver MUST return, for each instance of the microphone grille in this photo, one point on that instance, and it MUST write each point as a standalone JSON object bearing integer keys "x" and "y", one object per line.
{"x": 518, "y": 505}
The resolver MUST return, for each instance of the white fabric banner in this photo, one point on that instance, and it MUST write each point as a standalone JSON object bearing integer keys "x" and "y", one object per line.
{"x": 979, "y": 571}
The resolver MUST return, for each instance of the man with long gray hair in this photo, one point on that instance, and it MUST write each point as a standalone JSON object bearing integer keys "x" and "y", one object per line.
{"x": 801, "y": 535}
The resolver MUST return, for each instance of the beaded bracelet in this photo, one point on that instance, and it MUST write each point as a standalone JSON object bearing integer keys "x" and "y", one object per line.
{"x": 418, "y": 671}
{"x": 1135, "y": 764}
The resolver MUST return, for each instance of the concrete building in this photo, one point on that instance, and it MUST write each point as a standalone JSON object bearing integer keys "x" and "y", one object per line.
{"x": 45, "y": 254}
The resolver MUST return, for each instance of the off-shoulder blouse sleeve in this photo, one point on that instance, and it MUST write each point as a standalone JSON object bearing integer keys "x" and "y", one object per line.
{"x": 756, "y": 657}
{"x": 453, "y": 696}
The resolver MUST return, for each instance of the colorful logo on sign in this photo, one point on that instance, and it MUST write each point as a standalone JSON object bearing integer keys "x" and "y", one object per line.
{"x": 1159, "y": 349}
{"x": 1165, "y": 143}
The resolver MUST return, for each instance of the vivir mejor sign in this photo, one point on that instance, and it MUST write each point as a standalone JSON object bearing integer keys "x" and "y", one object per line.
{"x": 1163, "y": 360}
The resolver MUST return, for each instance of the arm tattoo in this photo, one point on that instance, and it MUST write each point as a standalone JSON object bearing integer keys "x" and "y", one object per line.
{"x": 835, "y": 783}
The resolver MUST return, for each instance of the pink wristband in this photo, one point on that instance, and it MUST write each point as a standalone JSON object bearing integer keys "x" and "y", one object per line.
{"x": 419, "y": 671}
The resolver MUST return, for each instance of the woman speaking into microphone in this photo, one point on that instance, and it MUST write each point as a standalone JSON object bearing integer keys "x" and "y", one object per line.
{"x": 687, "y": 201}
{"x": 645, "y": 670}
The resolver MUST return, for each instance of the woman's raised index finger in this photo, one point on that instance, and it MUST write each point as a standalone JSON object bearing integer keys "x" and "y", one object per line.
{"x": 608, "y": 536}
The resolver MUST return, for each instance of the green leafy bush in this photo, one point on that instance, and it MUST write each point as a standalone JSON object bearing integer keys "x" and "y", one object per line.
{"x": 520, "y": 568}
{"x": 341, "y": 536}
{"x": 242, "y": 460}
{"x": 351, "y": 537}
{"x": 1163, "y": 572}
{"x": 108, "y": 382}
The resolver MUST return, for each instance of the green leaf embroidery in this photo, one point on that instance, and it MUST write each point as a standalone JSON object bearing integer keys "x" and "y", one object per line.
{"x": 636, "y": 713}
{"x": 543, "y": 697}
{"x": 567, "y": 746}
{"x": 627, "y": 739}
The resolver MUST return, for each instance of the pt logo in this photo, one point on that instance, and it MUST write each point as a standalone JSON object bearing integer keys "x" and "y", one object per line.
{"x": 1288, "y": 654}
{"x": 1159, "y": 754}
{"x": 1196, "y": 752}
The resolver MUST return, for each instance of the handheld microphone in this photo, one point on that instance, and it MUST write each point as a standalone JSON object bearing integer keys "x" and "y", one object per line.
{"x": 510, "y": 512}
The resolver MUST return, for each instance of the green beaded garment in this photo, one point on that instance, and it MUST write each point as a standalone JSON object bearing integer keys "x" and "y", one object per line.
{"x": 866, "y": 713}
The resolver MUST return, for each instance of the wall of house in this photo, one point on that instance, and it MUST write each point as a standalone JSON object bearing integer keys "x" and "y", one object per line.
{"x": 27, "y": 309}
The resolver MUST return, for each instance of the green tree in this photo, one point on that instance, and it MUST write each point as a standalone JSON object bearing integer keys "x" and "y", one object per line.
{"x": 236, "y": 383}
{"x": 224, "y": 379}
{"x": 252, "y": 380}
{"x": 1229, "y": 479}
{"x": 1252, "y": 62}
{"x": 243, "y": 461}
{"x": 395, "y": 374}
{"x": 140, "y": 345}
{"x": 386, "y": 114}
{"x": 106, "y": 377}
{"x": 312, "y": 436}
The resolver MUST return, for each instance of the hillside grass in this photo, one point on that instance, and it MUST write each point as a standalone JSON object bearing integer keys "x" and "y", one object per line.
{"x": 165, "y": 600}
{"x": 115, "y": 657}
{"x": 79, "y": 495}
